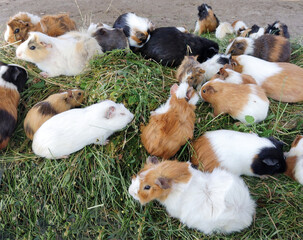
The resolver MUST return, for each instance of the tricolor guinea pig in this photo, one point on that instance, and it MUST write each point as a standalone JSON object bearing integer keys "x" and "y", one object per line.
{"x": 172, "y": 124}
{"x": 12, "y": 81}
{"x": 237, "y": 100}
{"x": 169, "y": 46}
{"x": 214, "y": 64}
{"x": 190, "y": 71}
{"x": 136, "y": 29}
{"x": 254, "y": 32}
{"x": 226, "y": 28}
{"x": 70, "y": 131}
{"x": 239, "y": 26}
{"x": 281, "y": 81}
{"x": 208, "y": 21}
{"x": 269, "y": 47}
{"x": 64, "y": 55}
{"x": 294, "y": 160}
{"x": 239, "y": 153}
{"x": 278, "y": 28}
{"x": 209, "y": 202}
{"x": 19, "y": 26}
{"x": 54, "y": 104}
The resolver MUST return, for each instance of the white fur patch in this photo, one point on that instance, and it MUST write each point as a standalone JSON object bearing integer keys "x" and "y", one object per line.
{"x": 7, "y": 32}
{"x": 297, "y": 150}
{"x": 250, "y": 46}
{"x": 194, "y": 99}
{"x": 211, "y": 66}
{"x": 298, "y": 171}
{"x": 134, "y": 188}
{"x": 239, "y": 25}
{"x": 182, "y": 90}
{"x": 233, "y": 77}
{"x": 181, "y": 29}
{"x": 3, "y": 83}
{"x": 223, "y": 29}
{"x": 197, "y": 27}
{"x": 257, "y": 34}
{"x": 162, "y": 109}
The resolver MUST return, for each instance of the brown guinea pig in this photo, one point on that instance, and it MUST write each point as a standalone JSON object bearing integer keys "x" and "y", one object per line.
{"x": 269, "y": 47}
{"x": 172, "y": 124}
{"x": 208, "y": 21}
{"x": 22, "y": 23}
{"x": 190, "y": 71}
{"x": 49, "y": 107}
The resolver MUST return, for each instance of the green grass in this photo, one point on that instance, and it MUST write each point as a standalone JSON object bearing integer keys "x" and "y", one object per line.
{"x": 85, "y": 196}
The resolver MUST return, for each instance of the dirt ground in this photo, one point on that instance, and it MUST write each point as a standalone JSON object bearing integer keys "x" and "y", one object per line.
{"x": 164, "y": 12}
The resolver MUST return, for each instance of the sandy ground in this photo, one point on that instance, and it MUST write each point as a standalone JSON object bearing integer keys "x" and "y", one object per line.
{"x": 164, "y": 12}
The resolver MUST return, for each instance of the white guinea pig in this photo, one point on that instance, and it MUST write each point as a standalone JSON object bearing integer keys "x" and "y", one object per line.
{"x": 72, "y": 130}
{"x": 210, "y": 202}
{"x": 64, "y": 55}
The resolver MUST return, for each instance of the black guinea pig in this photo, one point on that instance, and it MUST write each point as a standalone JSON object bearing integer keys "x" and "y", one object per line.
{"x": 168, "y": 46}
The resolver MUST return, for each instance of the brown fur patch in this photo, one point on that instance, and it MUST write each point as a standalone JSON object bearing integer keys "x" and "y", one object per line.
{"x": 39, "y": 53}
{"x": 247, "y": 79}
{"x": 203, "y": 155}
{"x": 245, "y": 33}
{"x": 57, "y": 25}
{"x": 296, "y": 141}
{"x": 139, "y": 36}
{"x": 291, "y": 164}
{"x": 210, "y": 23}
{"x": 166, "y": 133}
{"x": 236, "y": 65}
{"x": 238, "y": 47}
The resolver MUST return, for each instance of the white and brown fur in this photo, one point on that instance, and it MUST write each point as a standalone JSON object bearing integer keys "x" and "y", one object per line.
{"x": 54, "y": 104}
{"x": 172, "y": 124}
{"x": 209, "y": 202}
{"x": 281, "y": 81}
{"x": 226, "y": 28}
{"x": 208, "y": 21}
{"x": 237, "y": 100}
{"x": 269, "y": 47}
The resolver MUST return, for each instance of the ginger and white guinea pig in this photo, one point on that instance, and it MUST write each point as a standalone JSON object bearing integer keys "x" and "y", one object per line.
{"x": 172, "y": 124}
{"x": 294, "y": 160}
{"x": 12, "y": 81}
{"x": 70, "y": 131}
{"x": 269, "y": 47}
{"x": 239, "y": 26}
{"x": 111, "y": 38}
{"x": 239, "y": 153}
{"x": 169, "y": 46}
{"x": 190, "y": 71}
{"x": 237, "y": 100}
{"x": 281, "y": 81}
{"x": 54, "y": 104}
{"x": 208, "y": 21}
{"x": 19, "y": 26}
{"x": 213, "y": 65}
{"x": 227, "y": 28}
{"x": 64, "y": 55}
{"x": 278, "y": 28}
{"x": 136, "y": 29}
{"x": 209, "y": 202}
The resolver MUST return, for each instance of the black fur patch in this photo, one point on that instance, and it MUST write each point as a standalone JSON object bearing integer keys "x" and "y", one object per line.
{"x": 121, "y": 23}
{"x": 45, "y": 108}
{"x": 276, "y": 31}
{"x": 203, "y": 13}
{"x": 29, "y": 130}
{"x": 111, "y": 39}
{"x": 254, "y": 29}
{"x": 223, "y": 60}
{"x": 15, "y": 75}
{"x": 7, "y": 125}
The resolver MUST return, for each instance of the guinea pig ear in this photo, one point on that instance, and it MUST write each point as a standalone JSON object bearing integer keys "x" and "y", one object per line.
{"x": 46, "y": 45}
{"x": 277, "y": 143}
{"x": 270, "y": 162}
{"x": 24, "y": 23}
{"x": 69, "y": 93}
{"x": 163, "y": 183}
{"x": 296, "y": 141}
{"x": 190, "y": 92}
{"x": 152, "y": 160}
{"x": 110, "y": 113}
{"x": 210, "y": 89}
{"x": 201, "y": 71}
{"x": 101, "y": 31}
{"x": 174, "y": 89}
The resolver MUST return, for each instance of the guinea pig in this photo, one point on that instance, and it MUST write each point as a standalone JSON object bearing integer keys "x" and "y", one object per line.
{"x": 239, "y": 153}
{"x": 19, "y": 26}
{"x": 269, "y": 47}
{"x": 294, "y": 160}
{"x": 209, "y": 202}
{"x": 281, "y": 81}
{"x": 64, "y": 55}
{"x": 12, "y": 81}
{"x": 172, "y": 124}
{"x": 278, "y": 28}
{"x": 54, "y": 104}
{"x": 190, "y": 71}
{"x": 223, "y": 29}
{"x": 239, "y": 26}
{"x": 111, "y": 38}
{"x": 237, "y": 100}
{"x": 136, "y": 29}
{"x": 70, "y": 131}
{"x": 169, "y": 46}
{"x": 213, "y": 65}
{"x": 208, "y": 21}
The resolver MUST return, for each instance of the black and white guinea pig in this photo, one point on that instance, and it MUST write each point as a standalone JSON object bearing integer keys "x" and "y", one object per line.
{"x": 136, "y": 29}
{"x": 12, "y": 81}
{"x": 214, "y": 64}
{"x": 239, "y": 153}
{"x": 278, "y": 28}
{"x": 168, "y": 46}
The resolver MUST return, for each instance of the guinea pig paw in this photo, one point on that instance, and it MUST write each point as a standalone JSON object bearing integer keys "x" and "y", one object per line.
{"x": 44, "y": 74}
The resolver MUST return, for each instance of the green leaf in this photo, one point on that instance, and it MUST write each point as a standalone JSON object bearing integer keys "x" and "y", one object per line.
{"x": 249, "y": 119}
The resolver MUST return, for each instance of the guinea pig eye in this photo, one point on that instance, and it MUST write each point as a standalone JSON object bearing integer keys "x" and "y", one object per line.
{"x": 16, "y": 30}
{"x": 204, "y": 91}
{"x": 32, "y": 47}
{"x": 79, "y": 94}
{"x": 147, "y": 187}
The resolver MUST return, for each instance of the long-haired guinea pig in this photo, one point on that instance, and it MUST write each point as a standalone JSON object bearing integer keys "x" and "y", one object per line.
{"x": 64, "y": 55}
{"x": 278, "y": 28}
{"x": 268, "y": 47}
{"x": 19, "y": 26}
{"x": 237, "y": 100}
{"x": 54, "y": 104}
{"x": 12, "y": 81}
{"x": 168, "y": 46}
{"x": 213, "y": 65}
{"x": 111, "y": 38}
{"x": 70, "y": 131}
{"x": 172, "y": 124}
{"x": 209, "y": 202}
{"x": 294, "y": 160}
{"x": 190, "y": 71}
{"x": 136, "y": 29}
{"x": 239, "y": 153}
{"x": 281, "y": 81}
{"x": 208, "y": 21}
